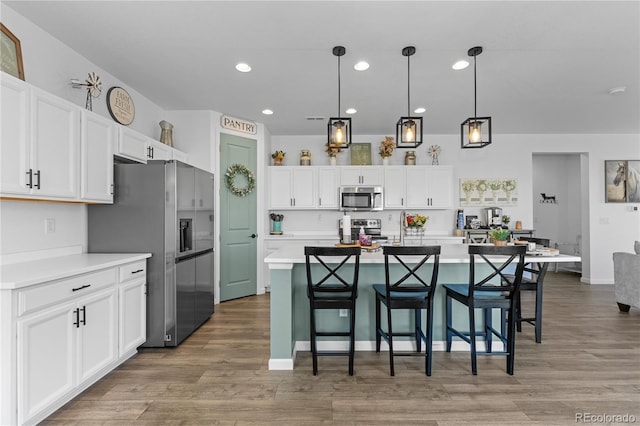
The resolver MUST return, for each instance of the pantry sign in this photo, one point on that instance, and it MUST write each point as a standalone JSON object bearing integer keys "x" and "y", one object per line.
{"x": 238, "y": 124}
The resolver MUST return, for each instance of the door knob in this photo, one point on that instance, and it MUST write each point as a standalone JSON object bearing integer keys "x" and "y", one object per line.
{"x": 253, "y": 235}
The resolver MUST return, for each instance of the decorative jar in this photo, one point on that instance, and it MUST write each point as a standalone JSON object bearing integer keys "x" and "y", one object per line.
{"x": 410, "y": 158}
{"x": 305, "y": 157}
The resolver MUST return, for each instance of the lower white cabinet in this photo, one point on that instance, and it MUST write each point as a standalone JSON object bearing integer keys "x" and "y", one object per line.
{"x": 68, "y": 333}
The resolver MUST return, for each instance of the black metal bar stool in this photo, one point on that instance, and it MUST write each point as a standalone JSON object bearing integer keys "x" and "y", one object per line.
{"x": 408, "y": 290}
{"x": 328, "y": 289}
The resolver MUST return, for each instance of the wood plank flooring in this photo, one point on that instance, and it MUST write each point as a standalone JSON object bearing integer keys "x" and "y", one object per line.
{"x": 588, "y": 362}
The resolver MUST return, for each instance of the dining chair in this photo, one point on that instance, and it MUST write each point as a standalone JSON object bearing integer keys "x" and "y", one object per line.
{"x": 532, "y": 280}
{"x": 410, "y": 288}
{"x": 489, "y": 287}
{"x": 332, "y": 283}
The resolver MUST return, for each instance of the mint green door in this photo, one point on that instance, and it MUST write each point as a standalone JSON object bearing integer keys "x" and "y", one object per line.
{"x": 238, "y": 225}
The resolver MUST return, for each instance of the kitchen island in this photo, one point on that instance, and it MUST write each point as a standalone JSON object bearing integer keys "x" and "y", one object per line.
{"x": 290, "y": 306}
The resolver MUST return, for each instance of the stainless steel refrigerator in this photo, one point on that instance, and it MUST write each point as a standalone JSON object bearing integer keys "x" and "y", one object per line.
{"x": 167, "y": 209}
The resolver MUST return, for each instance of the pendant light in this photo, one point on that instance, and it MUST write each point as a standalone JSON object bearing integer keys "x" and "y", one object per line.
{"x": 339, "y": 128}
{"x": 475, "y": 132}
{"x": 409, "y": 129}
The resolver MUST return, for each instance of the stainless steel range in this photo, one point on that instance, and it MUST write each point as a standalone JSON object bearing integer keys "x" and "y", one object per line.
{"x": 371, "y": 227}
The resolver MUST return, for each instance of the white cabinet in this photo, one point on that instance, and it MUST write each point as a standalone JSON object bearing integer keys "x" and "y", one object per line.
{"x": 292, "y": 188}
{"x": 61, "y": 336}
{"x": 131, "y": 145}
{"x": 328, "y": 187}
{"x": 62, "y": 346}
{"x": 418, "y": 187}
{"x": 133, "y": 307}
{"x": 158, "y": 151}
{"x": 97, "y": 138}
{"x": 361, "y": 175}
{"x": 39, "y": 143}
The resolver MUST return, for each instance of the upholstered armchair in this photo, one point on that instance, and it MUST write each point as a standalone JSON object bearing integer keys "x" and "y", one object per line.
{"x": 626, "y": 275}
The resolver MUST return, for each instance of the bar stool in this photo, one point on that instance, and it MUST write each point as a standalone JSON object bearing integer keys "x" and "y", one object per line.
{"x": 328, "y": 289}
{"x": 483, "y": 292}
{"x": 533, "y": 282}
{"x": 408, "y": 291}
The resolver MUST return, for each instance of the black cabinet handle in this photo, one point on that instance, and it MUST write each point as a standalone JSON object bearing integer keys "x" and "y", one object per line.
{"x": 84, "y": 315}
{"x": 77, "y": 322}
{"x": 138, "y": 271}
{"x": 80, "y": 288}
{"x": 38, "y": 175}
{"x": 30, "y": 173}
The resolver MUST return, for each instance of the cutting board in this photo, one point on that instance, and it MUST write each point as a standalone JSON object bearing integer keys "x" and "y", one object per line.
{"x": 372, "y": 247}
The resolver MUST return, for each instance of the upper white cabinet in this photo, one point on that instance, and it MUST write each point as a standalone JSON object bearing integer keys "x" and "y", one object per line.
{"x": 40, "y": 145}
{"x": 418, "y": 187}
{"x": 292, "y": 188}
{"x": 361, "y": 175}
{"x": 131, "y": 145}
{"x": 328, "y": 184}
{"x": 97, "y": 138}
{"x": 158, "y": 151}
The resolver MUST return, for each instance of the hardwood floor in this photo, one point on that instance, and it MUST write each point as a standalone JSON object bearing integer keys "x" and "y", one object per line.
{"x": 588, "y": 362}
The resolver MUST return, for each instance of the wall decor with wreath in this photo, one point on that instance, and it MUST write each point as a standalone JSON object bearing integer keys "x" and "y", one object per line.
{"x": 230, "y": 176}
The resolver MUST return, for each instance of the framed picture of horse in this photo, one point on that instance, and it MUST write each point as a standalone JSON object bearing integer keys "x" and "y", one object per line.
{"x": 622, "y": 181}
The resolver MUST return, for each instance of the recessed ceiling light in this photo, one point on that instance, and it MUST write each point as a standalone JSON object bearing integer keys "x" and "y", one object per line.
{"x": 267, "y": 112}
{"x": 419, "y": 110}
{"x": 351, "y": 111}
{"x": 361, "y": 66}
{"x": 242, "y": 67}
{"x": 617, "y": 90}
{"x": 460, "y": 65}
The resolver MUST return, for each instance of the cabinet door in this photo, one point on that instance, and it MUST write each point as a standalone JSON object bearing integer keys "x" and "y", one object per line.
{"x": 45, "y": 359}
{"x": 417, "y": 187}
{"x": 394, "y": 187}
{"x": 14, "y": 149}
{"x": 328, "y": 183}
{"x": 158, "y": 151}
{"x": 441, "y": 187}
{"x": 350, "y": 176}
{"x": 98, "y": 136}
{"x": 132, "y": 317}
{"x": 304, "y": 188}
{"x": 132, "y": 145}
{"x": 372, "y": 175}
{"x": 280, "y": 195}
{"x": 54, "y": 146}
{"x": 97, "y": 343}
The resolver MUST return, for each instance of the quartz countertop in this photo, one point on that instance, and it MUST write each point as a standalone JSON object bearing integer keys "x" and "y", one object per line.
{"x": 450, "y": 253}
{"x": 24, "y": 274}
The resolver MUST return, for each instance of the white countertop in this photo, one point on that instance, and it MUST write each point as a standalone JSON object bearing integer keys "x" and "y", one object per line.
{"x": 450, "y": 253}
{"x": 23, "y": 274}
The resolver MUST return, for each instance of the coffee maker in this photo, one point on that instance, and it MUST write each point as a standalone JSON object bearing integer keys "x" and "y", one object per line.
{"x": 494, "y": 217}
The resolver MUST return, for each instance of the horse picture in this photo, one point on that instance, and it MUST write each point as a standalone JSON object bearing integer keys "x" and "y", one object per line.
{"x": 622, "y": 181}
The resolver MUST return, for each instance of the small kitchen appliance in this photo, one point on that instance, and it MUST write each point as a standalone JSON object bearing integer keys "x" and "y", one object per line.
{"x": 494, "y": 216}
{"x": 361, "y": 198}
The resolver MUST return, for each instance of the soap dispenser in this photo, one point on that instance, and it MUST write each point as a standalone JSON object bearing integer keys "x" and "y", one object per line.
{"x": 362, "y": 236}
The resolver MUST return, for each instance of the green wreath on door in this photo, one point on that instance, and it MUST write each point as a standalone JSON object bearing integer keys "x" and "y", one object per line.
{"x": 230, "y": 176}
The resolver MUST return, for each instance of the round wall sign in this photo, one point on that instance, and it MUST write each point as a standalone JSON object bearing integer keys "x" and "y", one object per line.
{"x": 120, "y": 105}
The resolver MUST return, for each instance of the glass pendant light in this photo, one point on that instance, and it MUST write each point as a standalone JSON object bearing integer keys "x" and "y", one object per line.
{"x": 475, "y": 132}
{"x": 409, "y": 129}
{"x": 339, "y": 128}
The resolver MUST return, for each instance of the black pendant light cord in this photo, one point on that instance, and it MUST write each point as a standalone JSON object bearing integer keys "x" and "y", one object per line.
{"x": 475, "y": 90}
{"x": 408, "y": 85}
{"x": 338, "y": 86}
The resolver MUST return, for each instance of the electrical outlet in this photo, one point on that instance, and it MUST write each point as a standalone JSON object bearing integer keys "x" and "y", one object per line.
{"x": 344, "y": 312}
{"x": 49, "y": 226}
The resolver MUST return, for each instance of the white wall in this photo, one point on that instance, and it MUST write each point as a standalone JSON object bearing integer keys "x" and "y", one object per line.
{"x": 607, "y": 227}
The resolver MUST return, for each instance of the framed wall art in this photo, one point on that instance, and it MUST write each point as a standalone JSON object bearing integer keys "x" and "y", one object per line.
{"x": 120, "y": 105}
{"x": 10, "y": 53}
{"x": 488, "y": 192}
{"x": 622, "y": 181}
{"x": 360, "y": 154}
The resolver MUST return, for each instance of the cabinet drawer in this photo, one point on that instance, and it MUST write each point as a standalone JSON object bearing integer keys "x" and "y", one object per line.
{"x": 132, "y": 271}
{"x": 57, "y": 291}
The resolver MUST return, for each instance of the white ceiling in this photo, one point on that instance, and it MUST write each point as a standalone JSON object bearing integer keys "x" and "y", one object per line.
{"x": 547, "y": 67}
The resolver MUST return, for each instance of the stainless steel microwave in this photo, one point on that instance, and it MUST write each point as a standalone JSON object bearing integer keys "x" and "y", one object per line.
{"x": 361, "y": 198}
